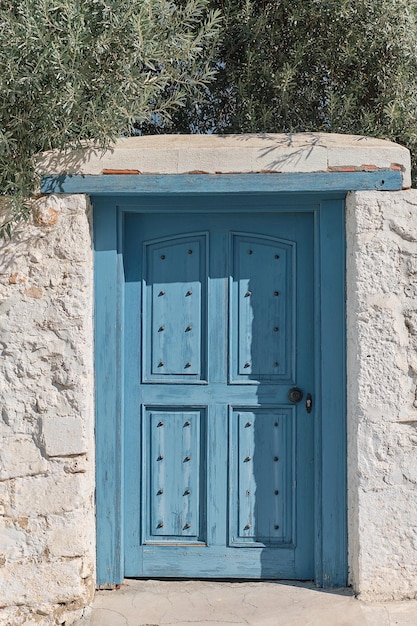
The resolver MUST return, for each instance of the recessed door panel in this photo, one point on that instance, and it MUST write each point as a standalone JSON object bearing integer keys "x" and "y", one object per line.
{"x": 174, "y": 453}
{"x": 262, "y": 461}
{"x": 262, "y": 323}
{"x": 175, "y": 303}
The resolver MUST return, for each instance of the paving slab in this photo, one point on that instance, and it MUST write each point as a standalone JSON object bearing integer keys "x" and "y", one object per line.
{"x": 203, "y": 603}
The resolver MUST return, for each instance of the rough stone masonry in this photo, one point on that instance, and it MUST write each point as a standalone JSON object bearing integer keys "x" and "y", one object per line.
{"x": 47, "y": 523}
{"x": 382, "y": 392}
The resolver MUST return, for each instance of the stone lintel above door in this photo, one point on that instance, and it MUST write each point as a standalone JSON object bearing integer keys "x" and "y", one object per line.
{"x": 300, "y": 153}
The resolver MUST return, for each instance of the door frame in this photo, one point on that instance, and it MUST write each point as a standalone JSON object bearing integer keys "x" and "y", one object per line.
{"x": 330, "y": 443}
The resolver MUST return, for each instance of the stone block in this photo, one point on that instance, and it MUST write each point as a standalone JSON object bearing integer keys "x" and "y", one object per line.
{"x": 63, "y": 436}
{"x": 33, "y": 584}
{"x": 19, "y": 456}
{"x": 70, "y": 535}
{"x": 67, "y": 542}
{"x": 42, "y": 495}
{"x": 13, "y": 544}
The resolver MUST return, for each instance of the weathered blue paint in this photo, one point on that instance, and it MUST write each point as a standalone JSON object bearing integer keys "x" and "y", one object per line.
{"x": 333, "y": 395}
{"x": 262, "y": 492}
{"x": 108, "y": 397}
{"x": 215, "y": 517}
{"x": 226, "y": 459}
{"x": 324, "y": 182}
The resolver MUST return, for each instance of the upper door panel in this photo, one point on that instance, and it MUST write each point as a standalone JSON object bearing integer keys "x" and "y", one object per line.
{"x": 175, "y": 296}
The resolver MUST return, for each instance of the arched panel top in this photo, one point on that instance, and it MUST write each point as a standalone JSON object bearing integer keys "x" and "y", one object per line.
{"x": 262, "y": 288}
{"x": 174, "y": 297}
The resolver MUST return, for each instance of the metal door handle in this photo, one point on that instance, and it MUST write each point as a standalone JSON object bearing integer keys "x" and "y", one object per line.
{"x": 295, "y": 395}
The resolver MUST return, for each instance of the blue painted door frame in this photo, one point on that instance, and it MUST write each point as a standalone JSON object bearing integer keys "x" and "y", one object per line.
{"x": 327, "y": 216}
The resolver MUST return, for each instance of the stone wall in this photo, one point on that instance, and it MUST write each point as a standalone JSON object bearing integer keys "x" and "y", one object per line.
{"x": 47, "y": 541}
{"x": 382, "y": 393}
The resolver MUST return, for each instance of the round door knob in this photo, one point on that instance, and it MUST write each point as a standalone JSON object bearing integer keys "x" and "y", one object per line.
{"x": 295, "y": 395}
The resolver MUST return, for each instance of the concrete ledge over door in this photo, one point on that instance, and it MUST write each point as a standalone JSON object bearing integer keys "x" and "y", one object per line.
{"x": 232, "y": 154}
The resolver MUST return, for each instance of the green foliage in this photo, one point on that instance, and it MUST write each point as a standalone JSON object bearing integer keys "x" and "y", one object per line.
{"x": 313, "y": 65}
{"x": 75, "y": 70}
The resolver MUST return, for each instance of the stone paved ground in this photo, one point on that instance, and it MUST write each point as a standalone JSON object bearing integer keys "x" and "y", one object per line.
{"x": 202, "y": 603}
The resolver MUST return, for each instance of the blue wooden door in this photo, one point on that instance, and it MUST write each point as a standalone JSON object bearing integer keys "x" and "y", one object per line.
{"x": 218, "y": 473}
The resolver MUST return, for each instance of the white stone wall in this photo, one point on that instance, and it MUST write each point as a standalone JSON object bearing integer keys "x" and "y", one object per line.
{"x": 382, "y": 392}
{"x": 47, "y": 541}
